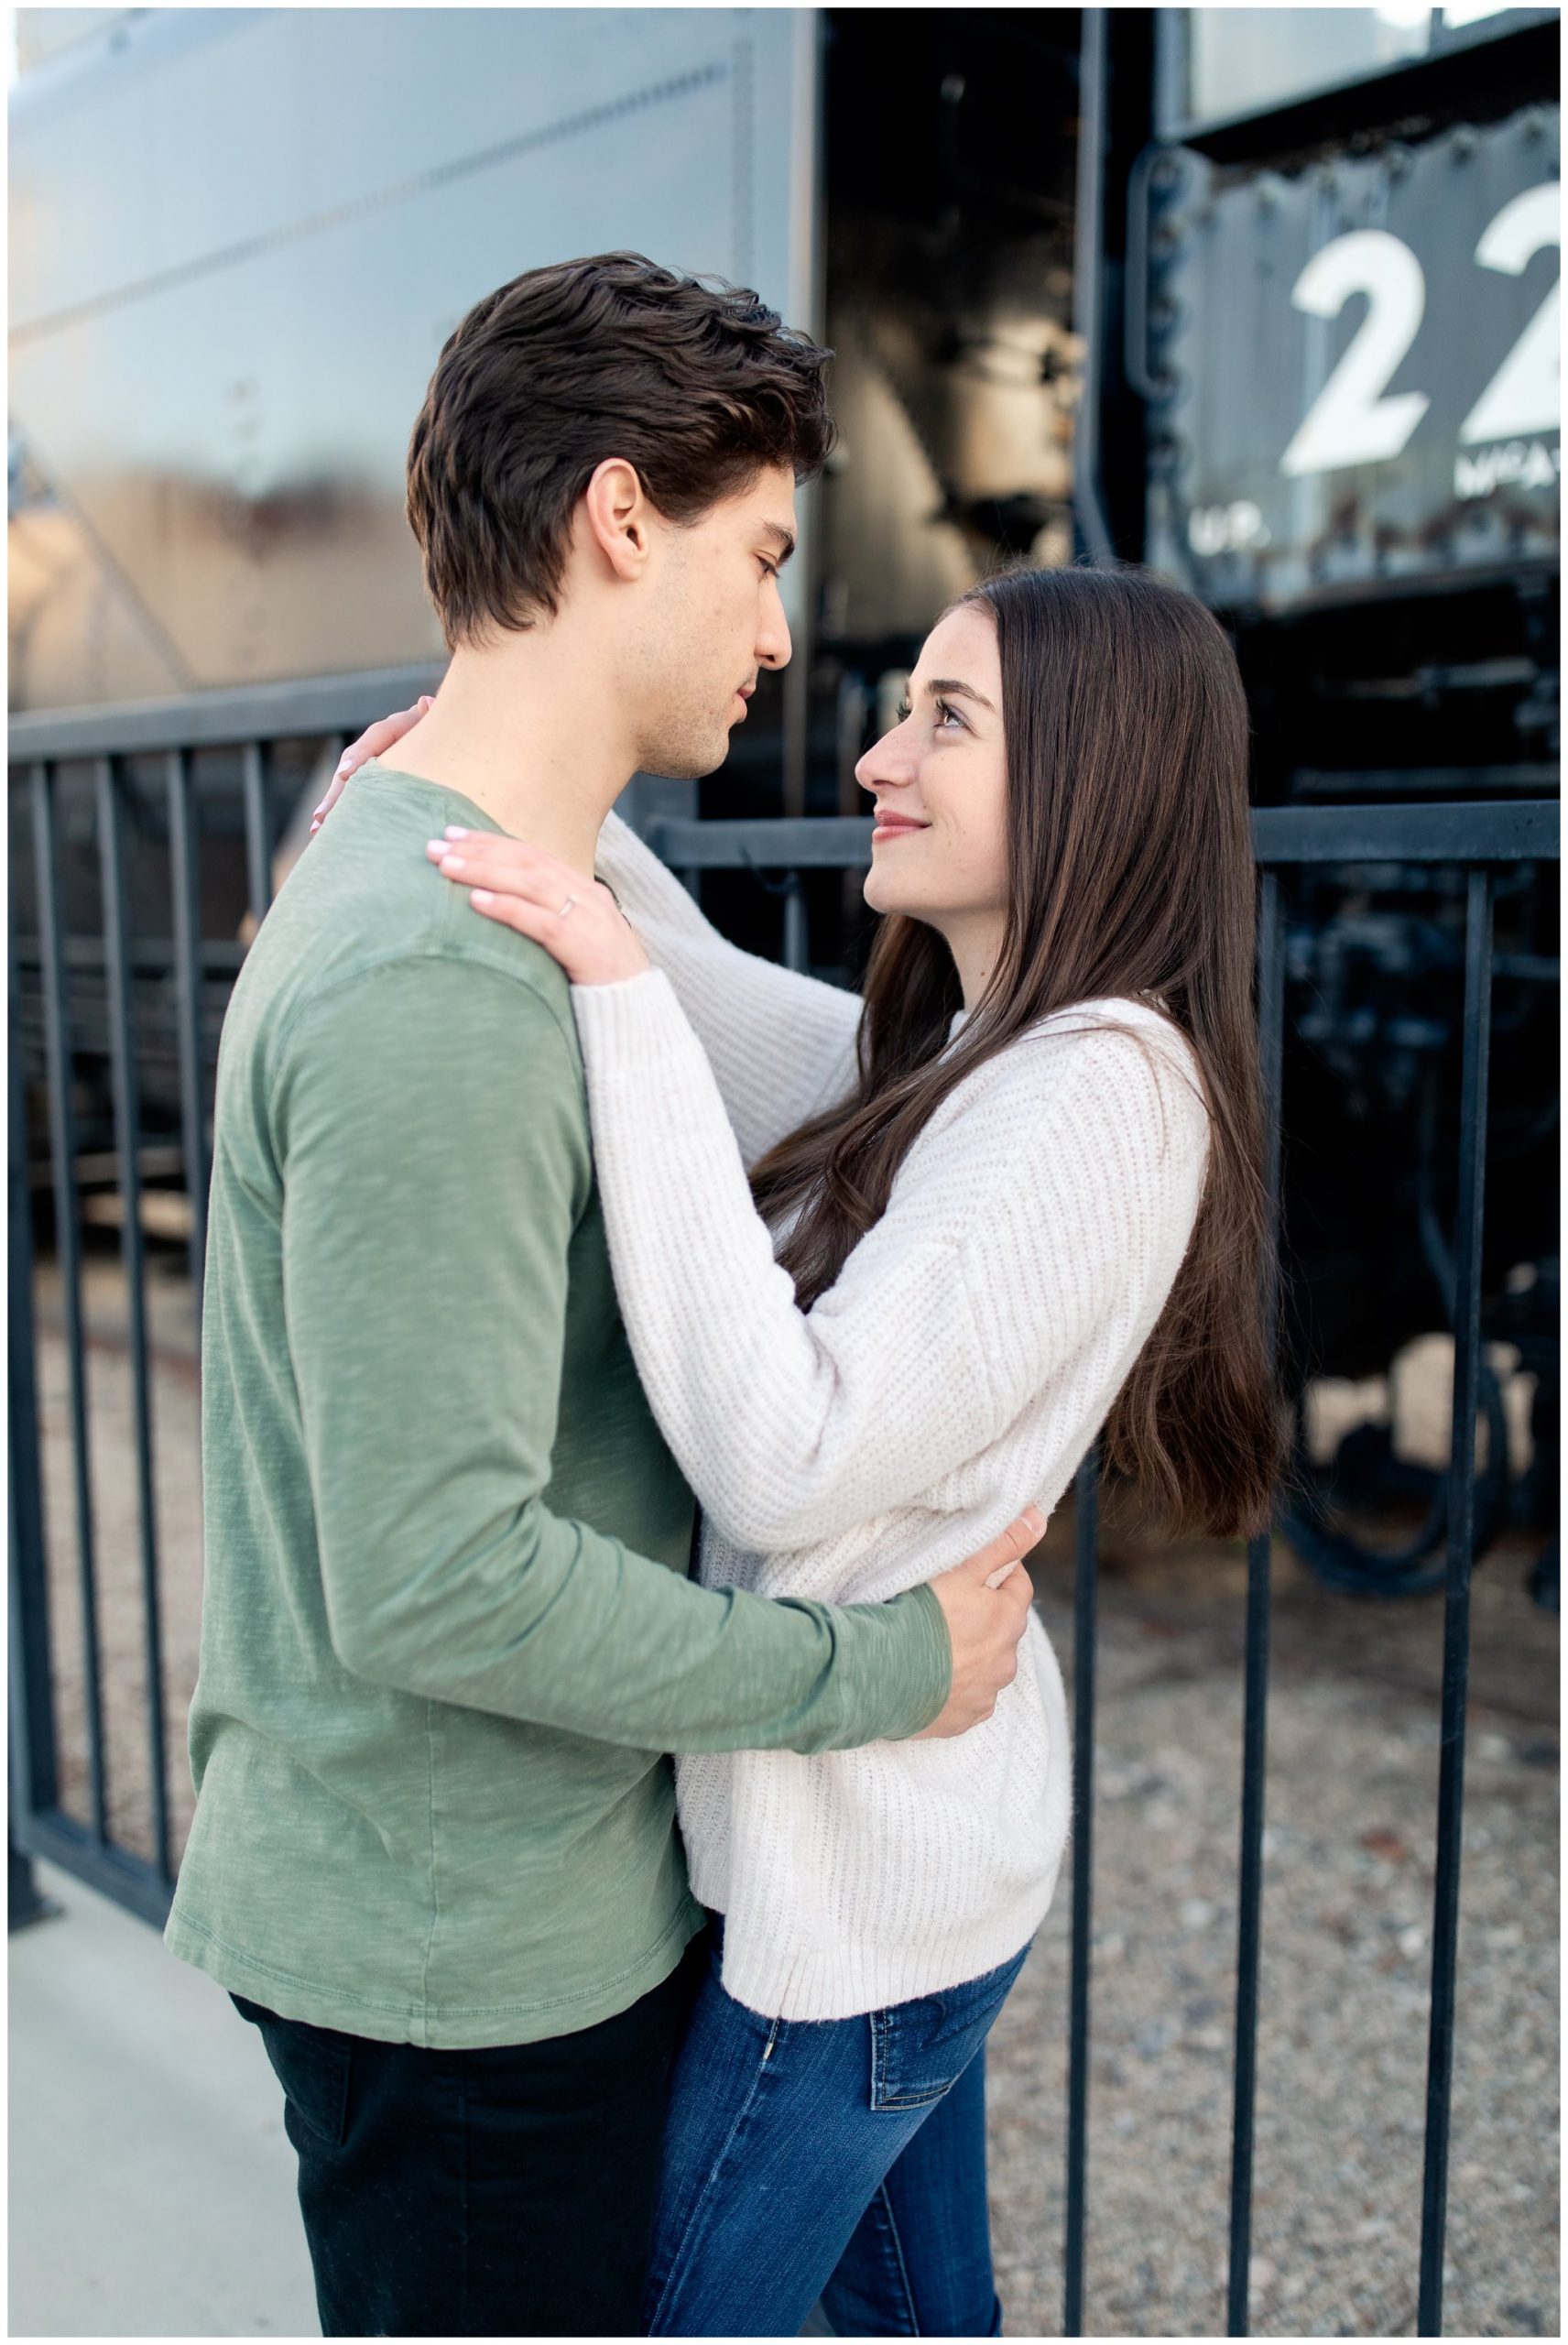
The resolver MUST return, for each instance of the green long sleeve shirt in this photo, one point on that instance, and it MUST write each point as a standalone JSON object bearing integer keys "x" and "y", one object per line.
{"x": 448, "y": 1635}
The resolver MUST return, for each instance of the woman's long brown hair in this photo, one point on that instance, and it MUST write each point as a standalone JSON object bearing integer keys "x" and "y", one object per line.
{"x": 1130, "y": 873}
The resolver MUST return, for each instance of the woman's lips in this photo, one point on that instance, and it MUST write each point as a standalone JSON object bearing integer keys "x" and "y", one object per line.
{"x": 895, "y": 826}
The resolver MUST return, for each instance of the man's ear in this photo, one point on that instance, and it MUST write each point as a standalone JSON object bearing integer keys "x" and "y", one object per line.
{"x": 618, "y": 517}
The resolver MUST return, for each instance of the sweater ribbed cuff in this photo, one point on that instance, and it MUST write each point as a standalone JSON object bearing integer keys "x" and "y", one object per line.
{"x": 632, "y": 1021}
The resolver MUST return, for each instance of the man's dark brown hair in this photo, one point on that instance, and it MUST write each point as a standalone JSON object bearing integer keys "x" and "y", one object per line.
{"x": 695, "y": 382}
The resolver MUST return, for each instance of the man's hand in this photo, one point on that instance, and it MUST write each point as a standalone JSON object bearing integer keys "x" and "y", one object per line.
{"x": 985, "y": 1624}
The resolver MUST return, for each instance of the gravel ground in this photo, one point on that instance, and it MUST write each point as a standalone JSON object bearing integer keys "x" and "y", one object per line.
{"x": 1352, "y": 1794}
{"x": 1348, "y": 1874}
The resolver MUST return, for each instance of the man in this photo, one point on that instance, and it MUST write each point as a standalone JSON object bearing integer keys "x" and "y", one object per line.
{"x": 448, "y": 1634}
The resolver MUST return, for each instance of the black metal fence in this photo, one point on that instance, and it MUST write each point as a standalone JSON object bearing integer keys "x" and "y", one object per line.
{"x": 130, "y": 992}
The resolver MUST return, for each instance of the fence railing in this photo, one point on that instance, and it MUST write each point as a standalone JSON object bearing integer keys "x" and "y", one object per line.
{"x": 1477, "y": 839}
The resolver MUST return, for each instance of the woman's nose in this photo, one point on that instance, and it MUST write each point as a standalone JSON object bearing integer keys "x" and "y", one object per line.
{"x": 882, "y": 767}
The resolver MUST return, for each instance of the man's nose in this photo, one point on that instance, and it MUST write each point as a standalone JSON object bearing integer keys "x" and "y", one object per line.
{"x": 773, "y": 646}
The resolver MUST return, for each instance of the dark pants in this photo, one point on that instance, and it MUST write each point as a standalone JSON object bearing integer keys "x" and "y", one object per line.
{"x": 505, "y": 2192}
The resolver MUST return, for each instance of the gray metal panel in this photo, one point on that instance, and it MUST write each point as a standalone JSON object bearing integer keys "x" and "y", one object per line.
{"x": 1229, "y": 248}
{"x": 239, "y": 240}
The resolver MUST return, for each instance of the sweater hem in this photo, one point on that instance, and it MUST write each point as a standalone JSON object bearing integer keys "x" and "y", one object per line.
{"x": 801, "y": 1977}
{"x": 435, "y": 2027}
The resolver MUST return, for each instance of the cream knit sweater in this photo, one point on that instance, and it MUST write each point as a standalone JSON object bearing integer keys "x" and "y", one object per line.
{"x": 960, "y": 1367}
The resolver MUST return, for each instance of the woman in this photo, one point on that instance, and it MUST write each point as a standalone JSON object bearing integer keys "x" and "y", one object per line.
{"x": 887, "y": 1265}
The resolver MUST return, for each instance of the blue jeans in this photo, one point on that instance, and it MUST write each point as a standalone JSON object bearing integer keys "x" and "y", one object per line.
{"x": 841, "y": 2159}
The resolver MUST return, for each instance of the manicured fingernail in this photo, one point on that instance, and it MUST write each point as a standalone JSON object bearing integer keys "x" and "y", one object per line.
{"x": 454, "y": 831}
{"x": 315, "y": 826}
{"x": 453, "y": 863}
{"x": 481, "y": 895}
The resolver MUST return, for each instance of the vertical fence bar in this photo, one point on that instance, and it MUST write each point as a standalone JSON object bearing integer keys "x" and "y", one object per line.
{"x": 1086, "y": 1495}
{"x": 258, "y": 842}
{"x": 184, "y": 890}
{"x": 1255, "y": 1716}
{"x": 68, "y": 1244}
{"x": 1456, "y": 1607}
{"x": 794, "y": 922}
{"x": 796, "y": 715}
{"x": 127, "y": 1125}
{"x": 24, "y": 1901}
{"x": 33, "y": 1782}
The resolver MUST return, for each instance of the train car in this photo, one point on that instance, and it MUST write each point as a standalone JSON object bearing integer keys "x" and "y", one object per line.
{"x": 239, "y": 239}
{"x": 1264, "y": 297}
{"x": 1340, "y": 326}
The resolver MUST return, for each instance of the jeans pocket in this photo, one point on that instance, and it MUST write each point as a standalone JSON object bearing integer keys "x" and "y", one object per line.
{"x": 919, "y": 2049}
{"x": 313, "y": 2065}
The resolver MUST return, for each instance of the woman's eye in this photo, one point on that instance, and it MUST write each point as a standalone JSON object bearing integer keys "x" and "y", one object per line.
{"x": 768, "y": 569}
{"x": 945, "y": 711}
{"x": 904, "y": 712}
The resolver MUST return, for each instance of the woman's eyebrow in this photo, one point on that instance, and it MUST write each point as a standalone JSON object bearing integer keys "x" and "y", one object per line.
{"x": 947, "y": 684}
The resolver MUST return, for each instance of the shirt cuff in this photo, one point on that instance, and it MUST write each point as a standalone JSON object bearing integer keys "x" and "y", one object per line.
{"x": 930, "y": 1663}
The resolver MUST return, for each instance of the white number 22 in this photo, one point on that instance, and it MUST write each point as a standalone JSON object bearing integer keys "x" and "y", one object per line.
{"x": 1350, "y": 422}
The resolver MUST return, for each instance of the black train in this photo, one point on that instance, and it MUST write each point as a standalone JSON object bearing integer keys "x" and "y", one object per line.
{"x": 1346, "y": 332}
{"x": 1310, "y": 343}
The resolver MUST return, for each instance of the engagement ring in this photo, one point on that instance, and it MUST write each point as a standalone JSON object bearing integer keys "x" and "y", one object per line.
{"x": 566, "y": 907}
